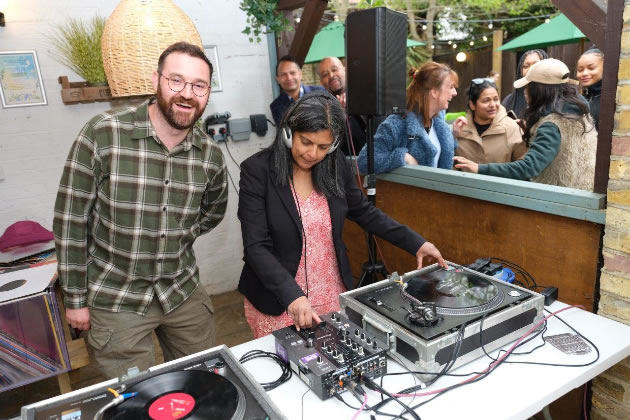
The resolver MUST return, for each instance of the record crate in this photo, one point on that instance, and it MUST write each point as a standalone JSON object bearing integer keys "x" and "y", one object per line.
{"x": 32, "y": 342}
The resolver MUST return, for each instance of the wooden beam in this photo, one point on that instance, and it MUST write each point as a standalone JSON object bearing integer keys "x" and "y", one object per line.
{"x": 290, "y": 4}
{"x": 306, "y": 30}
{"x": 497, "y": 56}
{"x": 611, "y": 49}
{"x": 587, "y": 16}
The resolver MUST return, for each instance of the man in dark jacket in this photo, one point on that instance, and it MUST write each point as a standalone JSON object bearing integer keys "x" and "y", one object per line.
{"x": 289, "y": 77}
{"x": 332, "y": 75}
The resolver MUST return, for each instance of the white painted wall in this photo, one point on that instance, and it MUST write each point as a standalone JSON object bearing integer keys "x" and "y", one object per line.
{"x": 34, "y": 141}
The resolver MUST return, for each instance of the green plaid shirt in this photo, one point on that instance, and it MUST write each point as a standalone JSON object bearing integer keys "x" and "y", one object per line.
{"x": 128, "y": 211}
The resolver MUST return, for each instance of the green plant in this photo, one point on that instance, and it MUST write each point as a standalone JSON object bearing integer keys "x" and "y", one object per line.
{"x": 78, "y": 46}
{"x": 262, "y": 18}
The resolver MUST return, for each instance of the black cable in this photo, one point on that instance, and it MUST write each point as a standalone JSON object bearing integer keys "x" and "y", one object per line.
{"x": 367, "y": 407}
{"x": 286, "y": 371}
{"x": 297, "y": 202}
{"x": 443, "y": 372}
{"x": 307, "y": 391}
{"x": 230, "y": 153}
{"x": 231, "y": 180}
{"x": 271, "y": 122}
{"x": 375, "y": 386}
{"x": 520, "y": 269}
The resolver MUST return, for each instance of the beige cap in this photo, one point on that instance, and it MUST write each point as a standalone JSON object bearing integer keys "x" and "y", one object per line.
{"x": 548, "y": 71}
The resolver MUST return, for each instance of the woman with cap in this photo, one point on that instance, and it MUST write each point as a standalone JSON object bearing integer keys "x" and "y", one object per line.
{"x": 294, "y": 198}
{"x": 590, "y": 70}
{"x": 560, "y": 134}
{"x": 489, "y": 134}
{"x": 515, "y": 101}
{"x": 421, "y": 136}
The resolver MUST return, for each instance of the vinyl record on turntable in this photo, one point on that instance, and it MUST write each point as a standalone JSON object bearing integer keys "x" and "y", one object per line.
{"x": 453, "y": 289}
{"x": 193, "y": 394}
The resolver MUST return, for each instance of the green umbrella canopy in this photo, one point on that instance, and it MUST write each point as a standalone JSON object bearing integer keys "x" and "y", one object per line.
{"x": 330, "y": 42}
{"x": 559, "y": 30}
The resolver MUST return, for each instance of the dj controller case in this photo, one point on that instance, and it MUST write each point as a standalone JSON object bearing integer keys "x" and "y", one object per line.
{"x": 379, "y": 309}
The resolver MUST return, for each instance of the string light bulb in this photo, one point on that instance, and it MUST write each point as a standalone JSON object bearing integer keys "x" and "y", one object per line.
{"x": 424, "y": 27}
{"x": 450, "y": 42}
{"x": 432, "y": 47}
{"x": 490, "y": 25}
{"x": 547, "y": 20}
{"x": 454, "y": 46}
{"x": 485, "y": 38}
{"x": 472, "y": 43}
{"x": 460, "y": 57}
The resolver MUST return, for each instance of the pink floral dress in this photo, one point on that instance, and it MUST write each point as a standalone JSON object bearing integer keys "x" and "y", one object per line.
{"x": 324, "y": 280}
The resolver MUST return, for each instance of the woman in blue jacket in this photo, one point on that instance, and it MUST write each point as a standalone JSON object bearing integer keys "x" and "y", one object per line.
{"x": 421, "y": 136}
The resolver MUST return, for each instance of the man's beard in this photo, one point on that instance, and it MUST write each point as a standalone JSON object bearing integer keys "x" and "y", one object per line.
{"x": 180, "y": 122}
{"x": 339, "y": 91}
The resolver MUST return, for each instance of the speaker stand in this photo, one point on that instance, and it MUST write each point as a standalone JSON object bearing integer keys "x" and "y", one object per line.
{"x": 373, "y": 266}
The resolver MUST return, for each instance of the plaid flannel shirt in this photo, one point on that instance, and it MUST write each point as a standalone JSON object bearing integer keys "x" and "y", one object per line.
{"x": 128, "y": 211}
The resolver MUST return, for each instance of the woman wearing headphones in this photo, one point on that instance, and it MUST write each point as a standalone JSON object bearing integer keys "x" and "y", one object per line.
{"x": 293, "y": 200}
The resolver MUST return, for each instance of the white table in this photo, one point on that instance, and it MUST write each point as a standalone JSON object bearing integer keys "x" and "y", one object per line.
{"x": 512, "y": 391}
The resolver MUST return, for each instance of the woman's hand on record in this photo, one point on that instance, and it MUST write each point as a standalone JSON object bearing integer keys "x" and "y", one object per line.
{"x": 429, "y": 250}
{"x": 302, "y": 314}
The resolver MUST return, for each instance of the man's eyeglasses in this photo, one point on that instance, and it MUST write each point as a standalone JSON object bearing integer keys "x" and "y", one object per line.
{"x": 177, "y": 84}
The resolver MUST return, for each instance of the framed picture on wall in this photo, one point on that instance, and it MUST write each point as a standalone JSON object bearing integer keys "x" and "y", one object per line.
{"x": 213, "y": 56}
{"x": 20, "y": 79}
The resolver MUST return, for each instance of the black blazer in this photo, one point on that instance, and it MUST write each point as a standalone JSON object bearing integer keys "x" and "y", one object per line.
{"x": 272, "y": 233}
{"x": 281, "y": 104}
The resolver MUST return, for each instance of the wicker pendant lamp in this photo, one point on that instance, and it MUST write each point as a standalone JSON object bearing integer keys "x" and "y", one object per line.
{"x": 135, "y": 35}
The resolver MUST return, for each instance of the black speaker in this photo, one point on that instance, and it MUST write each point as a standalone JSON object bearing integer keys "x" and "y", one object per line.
{"x": 376, "y": 46}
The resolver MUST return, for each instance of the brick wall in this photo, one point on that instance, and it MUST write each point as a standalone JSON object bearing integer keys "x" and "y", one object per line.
{"x": 611, "y": 390}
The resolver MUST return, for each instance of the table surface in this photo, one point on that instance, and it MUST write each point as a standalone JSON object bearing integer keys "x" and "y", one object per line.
{"x": 493, "y": 397}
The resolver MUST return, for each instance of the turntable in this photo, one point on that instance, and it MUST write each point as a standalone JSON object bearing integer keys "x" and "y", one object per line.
{"x": 208, "y": 385}
{"x": 420, "y": 315}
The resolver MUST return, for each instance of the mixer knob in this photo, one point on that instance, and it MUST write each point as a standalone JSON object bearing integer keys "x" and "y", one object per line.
{"x": 329, "y": 349}
{"x": 360, "y": 351}
{"x": 320, "y": 360}
{"x": 369, "y": 341}
{"x": 348, "y": 341}
{"x": 356, "y": 332}
{"x": 354, "y": 346}
{"x": 336, "y": 354}
{"x": 374, "y": 345}
{"x": 340, "y": 358}
{"x": 362, "y": 336}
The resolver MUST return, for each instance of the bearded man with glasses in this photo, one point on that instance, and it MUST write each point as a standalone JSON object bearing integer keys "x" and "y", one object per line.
{"x": 139, "y": 186}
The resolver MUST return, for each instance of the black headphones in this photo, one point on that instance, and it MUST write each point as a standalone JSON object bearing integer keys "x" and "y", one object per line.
{"x": 285, "y": 131}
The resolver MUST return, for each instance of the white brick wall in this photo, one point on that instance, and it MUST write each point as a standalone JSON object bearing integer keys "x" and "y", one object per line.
{"x": 34, "y": 141}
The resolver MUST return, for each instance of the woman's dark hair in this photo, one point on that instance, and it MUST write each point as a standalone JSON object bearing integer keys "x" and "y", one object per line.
{"x": 477, "y": 86}
{"x": 516, "y": 100}
{"x": 552, "y": 98}
{"x": 313, "y": 112}
{"x": 595, "y": 51}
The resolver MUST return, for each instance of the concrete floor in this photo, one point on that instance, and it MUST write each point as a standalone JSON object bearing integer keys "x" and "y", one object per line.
{"x": 232, "y": 329}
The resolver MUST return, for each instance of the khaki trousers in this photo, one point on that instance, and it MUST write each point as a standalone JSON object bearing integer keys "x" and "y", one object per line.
{"x": 122, "y": 340}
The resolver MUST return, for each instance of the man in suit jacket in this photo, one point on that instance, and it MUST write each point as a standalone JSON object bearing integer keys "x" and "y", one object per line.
{"x": 289, "y": 77}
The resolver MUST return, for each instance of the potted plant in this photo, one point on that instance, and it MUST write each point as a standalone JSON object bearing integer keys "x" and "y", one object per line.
{"x": 77, "y": 45}
{"x": 263, "y": 18}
